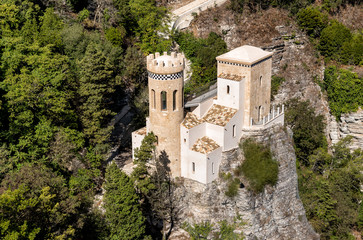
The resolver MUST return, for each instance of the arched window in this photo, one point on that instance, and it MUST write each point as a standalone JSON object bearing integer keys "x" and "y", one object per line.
{"x": 153, "y": 98}
{"x": 234, "y": 131}
{"x": 228, "y": 89}
{"x": 163, "y": 100}
{"x": 174, "y": 100}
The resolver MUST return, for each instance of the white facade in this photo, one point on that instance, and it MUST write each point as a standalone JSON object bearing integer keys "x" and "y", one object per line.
{"x": 217, "y": 124}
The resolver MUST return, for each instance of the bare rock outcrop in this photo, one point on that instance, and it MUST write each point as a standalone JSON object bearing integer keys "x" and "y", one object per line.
{"x": 349, "y": 124}
{"x": 276, "y": 213}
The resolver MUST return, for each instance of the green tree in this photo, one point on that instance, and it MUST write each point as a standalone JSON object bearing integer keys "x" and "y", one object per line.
{"x": 344, "y": 89}
{"x": 308, "y": 135}
{"x": 122, "y": 206}
{"x": 50, "y": 30}
{"x": 352, "y": 51}
{"x": 143, "y": 155}
{"x": 96, "y": 85}
{"x": 35, "y": 201}
{"x": 259, "y": 167}
{"x": 332, "y": 39}
{"x": 152, "y": 28}
{"x": 312, "y": 21}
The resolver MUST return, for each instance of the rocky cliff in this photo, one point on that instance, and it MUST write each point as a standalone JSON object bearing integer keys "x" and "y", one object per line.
{"x": 276, "y": 213}
{"x": 349, "y": 124}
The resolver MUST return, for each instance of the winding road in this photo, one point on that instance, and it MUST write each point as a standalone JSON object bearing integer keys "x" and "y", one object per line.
{"x": 184, "y": 14}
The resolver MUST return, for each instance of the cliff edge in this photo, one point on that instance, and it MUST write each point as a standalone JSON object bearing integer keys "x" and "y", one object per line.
{"x": 276, "y": 213}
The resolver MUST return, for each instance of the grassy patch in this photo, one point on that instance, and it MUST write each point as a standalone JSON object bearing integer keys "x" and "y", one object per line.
{"x": 259, "y": 167}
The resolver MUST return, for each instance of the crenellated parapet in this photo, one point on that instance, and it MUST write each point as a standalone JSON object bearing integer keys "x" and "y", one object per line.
{"x": 165, "y": 64}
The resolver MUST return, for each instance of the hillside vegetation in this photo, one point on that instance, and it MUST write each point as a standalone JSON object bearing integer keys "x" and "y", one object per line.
{"x": 66, "y": 68}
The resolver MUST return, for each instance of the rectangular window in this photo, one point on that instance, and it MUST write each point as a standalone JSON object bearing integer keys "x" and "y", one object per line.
{"x": 212, "y": 168}
{"x": 234, "y": 130}
{"x": 193, "y": 166}
{"x": 185, "y": 140}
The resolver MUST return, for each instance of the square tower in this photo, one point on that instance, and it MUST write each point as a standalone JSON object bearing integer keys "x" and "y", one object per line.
{"x": 244, "y": 82}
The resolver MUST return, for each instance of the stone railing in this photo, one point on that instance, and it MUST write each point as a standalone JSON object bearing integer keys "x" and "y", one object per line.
{"x": 276, "y": 116}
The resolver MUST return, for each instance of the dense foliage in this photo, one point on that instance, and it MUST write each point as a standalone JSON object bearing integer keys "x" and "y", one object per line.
{"x": 62, "y": 78}
{"x": 329, "y": 184}
{"x": 344, "y": 89}
{"x": 202, "y": 53}
{"x": 123, "y": 213}
{"x": 308, "y": 135}
{"x": 259, "y": 167}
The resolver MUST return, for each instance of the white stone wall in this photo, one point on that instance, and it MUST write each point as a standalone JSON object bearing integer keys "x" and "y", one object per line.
{"x": 231, "y": 141}
{"x": 203, "y": 108}
{"x": 216, "y": 133}
{"x": 213, "y": 158}
{"x": 231, "y": 99}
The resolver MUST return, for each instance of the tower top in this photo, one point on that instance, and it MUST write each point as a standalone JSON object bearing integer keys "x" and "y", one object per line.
{"x": 245, "y": 55}
{"x": 165, "y": 64}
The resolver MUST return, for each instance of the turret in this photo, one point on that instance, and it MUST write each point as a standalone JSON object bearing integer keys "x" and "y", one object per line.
{"x": 166, "y": 87}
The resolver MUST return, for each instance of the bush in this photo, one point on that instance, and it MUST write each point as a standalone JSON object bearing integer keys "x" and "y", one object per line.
{"x": 352, "y": 51}
{"x": 344, "y": 90}
{"x": 312, "y": 21}
{"x": 259, "y": 167}
{"x": 332, "y": 39}
{"x": 308, "y": 135}
{"x": 116, "y": 35}
{"x": 232, "y": 188}
{"x": 202, "y": 53}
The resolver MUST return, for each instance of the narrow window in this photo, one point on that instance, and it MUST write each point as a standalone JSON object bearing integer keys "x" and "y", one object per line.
{"x": 174, "y": 100}
{"x": 234, "y": 130}
{"x": 163, "y": 100}
{"x": 153, "y": 98}
{"x": 193, "y": 166}
{"x": 260, "y": 80}
{"x": 227, "y": 89}
{"x": 183, "y": 97}
{"x": 212, "y": 168}
{"x": 259, "y": 113}
{"x": 185, "y": 140}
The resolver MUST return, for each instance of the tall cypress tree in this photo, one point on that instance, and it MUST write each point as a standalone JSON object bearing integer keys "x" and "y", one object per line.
{"x": 122, "y": 206}
{"x": 96, "y": 85}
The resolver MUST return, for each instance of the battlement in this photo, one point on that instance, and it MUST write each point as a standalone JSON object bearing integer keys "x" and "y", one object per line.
{"x": 165, "y": 64}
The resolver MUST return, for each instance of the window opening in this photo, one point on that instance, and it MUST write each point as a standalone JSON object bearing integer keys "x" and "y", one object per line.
{"x": 213, "y": 168}
{"x": 234, "y": 130}
{"x": 193, "y": 166}
{"x": 228, "y": 89}
{"x": 259, "y": 113}
{"x": 260, "y": 80}
{"x": 163, "y": 100}
{"x": 174, "y": 100}
{"x": 153, "y": 98}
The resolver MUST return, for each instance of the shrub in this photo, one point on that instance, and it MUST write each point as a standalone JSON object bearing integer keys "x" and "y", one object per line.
{"x": 259, "y": 167}
{"x": 116, "y": 35}
{"x": 344, "y": 89}
{"x": 308, "y": 135}
{"x": 312, "y": 21}
{"x": 352, "y": 51}
{"x": 332, "y": 39}
{"x": 232, "y": 188}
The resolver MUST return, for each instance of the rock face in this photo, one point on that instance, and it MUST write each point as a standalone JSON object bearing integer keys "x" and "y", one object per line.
{"x": 350, "y": 124}
{"x": 276, "y": 213}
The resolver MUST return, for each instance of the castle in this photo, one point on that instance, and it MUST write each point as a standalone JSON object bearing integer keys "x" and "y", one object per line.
{"x": 195, "y": 143}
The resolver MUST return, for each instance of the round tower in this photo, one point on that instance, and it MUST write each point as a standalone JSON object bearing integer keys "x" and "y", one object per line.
{"x": 166, "y": 104}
